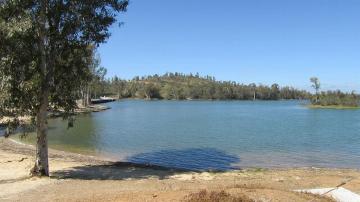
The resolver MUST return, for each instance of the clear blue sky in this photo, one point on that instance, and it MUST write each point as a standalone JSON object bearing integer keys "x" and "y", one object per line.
{"x": 259, "y": 41}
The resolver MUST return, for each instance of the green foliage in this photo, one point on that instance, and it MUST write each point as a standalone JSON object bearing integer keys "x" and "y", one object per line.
{"x": 46, "y": 56}
{"x": 177, "y": 86}
{"x": 46, "y": 50}
{"x": 97, "y": 79}
{"x": 332, "y": 98}
{"x": 336, "y": 98}
{"x": 315, "y": 83}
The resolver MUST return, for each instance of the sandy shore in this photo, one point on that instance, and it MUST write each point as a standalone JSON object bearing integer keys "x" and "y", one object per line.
{"x": 77, "y": 177}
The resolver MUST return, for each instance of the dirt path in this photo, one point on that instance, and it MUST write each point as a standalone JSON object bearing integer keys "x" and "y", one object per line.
{"x": 82, "y": 178}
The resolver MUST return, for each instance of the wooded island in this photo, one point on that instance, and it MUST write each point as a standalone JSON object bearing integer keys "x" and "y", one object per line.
{"x": 332, "y": 99}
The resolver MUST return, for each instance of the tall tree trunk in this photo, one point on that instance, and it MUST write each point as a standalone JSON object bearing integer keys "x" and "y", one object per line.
{"x": 88, "y": 97}
{"x": 41, "y": 167}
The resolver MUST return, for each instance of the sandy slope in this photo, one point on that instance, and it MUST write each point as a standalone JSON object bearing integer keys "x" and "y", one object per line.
{"x": 82, "y": 178}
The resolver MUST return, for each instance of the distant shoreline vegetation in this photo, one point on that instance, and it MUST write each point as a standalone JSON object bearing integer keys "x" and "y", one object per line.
{"x": 332, "y": 99}
{"x": 178, "y": 86}
{"x": 332, "y": 107}
{"x": 335, "y": 100}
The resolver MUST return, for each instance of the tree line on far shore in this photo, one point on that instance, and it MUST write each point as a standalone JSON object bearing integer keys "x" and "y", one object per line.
{"x": 179, "y": 86}
{"x": 332, "y": 98}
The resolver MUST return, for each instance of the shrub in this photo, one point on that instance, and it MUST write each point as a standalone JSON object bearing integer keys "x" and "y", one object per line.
{"x": 215, "y": 196}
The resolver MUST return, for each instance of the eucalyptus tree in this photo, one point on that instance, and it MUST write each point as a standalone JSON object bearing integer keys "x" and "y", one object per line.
{"x": 275, "y": 92}
{"x": 44, "y": 57}
{"x": 316, "y": 85}
{"x": 97, "y": 83}
{"x": 253, "y": 88}
{"x": 118, "y": 86}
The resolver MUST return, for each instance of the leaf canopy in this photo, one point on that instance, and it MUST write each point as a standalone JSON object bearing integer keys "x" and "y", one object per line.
{"x": 73, "y": 29}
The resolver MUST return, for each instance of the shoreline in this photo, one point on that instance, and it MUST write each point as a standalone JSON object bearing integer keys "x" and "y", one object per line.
{"x": 55, "y": 114}
{"x": 77, "y": 177}
{"x": 337, "y": 107}
{"x": 97, "y": 158}
{"x": 109, "y": 159}
{"x": 199, "y": 100}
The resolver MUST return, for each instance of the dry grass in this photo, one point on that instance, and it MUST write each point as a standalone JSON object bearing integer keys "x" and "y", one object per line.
{"x": 332, "y": 107}
{"x": 215, "y": 196}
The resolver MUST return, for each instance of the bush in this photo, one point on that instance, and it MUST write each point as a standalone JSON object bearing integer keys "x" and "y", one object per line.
{"x": 336, "y": 98}
{"x": 222, "y": 196}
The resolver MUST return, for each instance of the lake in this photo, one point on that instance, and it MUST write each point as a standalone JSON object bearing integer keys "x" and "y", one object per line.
{"x": 220, "y": 135}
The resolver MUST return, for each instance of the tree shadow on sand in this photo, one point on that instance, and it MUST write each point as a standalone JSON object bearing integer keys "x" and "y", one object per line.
{"x": 159, "y": 164}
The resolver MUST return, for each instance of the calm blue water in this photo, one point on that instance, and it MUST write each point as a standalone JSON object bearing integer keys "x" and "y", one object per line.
{"x": 216, "y": 134}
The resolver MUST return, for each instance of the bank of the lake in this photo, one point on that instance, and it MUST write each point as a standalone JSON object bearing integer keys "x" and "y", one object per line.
{"x": 333, "y": 107}
{"x": 77, "y": 177}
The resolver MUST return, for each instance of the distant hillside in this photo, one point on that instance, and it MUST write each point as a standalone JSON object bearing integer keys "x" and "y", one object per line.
{"x": 188, "y": 86}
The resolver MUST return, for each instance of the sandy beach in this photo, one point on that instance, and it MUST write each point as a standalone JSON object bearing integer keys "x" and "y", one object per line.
{"x": 76, "y": 177}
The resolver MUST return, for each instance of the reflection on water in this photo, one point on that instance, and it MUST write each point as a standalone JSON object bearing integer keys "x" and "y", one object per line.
{"x": 175, "y": 133}
{"x": 79, "y": 138}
